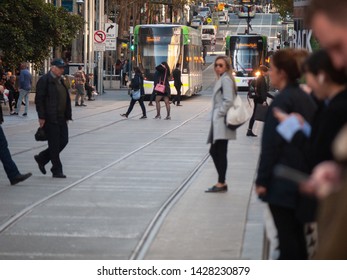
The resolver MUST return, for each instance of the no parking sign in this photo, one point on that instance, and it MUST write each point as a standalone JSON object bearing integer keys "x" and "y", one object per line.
{"x": 99, "y": 36}
{"x": 99, "y": 40}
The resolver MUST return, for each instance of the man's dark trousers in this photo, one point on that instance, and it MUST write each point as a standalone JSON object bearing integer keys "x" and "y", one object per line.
{"x": 58, "y": 137}
{"x": 5, "y": 157}
{"x": 177, "y": 98}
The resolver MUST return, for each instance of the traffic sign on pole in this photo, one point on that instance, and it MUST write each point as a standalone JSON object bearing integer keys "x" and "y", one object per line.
{"x": 99, "y": 47}
{"x": 99, "y": 36}
{"x": 111, "y": 30}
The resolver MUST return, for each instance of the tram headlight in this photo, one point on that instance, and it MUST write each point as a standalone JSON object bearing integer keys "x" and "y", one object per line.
{"x": 257, "y": 74}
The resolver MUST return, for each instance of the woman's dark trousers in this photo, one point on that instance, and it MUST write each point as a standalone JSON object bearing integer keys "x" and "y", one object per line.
{"x": 132, "y": 103}
{"x": 218, "y": 152}
{"x": 252, "y": 120}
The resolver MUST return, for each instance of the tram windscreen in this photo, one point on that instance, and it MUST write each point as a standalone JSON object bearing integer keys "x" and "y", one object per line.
{"x": 155, "y": 45}
{"x": 246, "y": 53}
{"x": 245, "y": 60}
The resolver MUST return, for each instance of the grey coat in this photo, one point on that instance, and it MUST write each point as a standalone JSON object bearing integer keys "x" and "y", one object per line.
{"x": 222, "y": 99}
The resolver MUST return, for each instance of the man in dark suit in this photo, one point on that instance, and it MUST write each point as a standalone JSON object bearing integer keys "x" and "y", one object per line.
{"x": 10, "y": 167}
{"x": 53, "y": 106}
{"x": 176, "y": 73}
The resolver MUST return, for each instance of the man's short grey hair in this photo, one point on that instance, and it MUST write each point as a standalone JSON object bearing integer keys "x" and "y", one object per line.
{"x": 25, "y": 64}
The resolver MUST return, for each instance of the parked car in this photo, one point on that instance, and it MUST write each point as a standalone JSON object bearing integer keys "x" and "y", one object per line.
{"x": 204, "y": 11}
{"x": 223, "y": 17}
{"x": 196, "y": 22}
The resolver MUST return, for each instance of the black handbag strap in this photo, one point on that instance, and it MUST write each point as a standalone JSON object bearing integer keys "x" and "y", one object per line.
{"x": 162, "y": 82}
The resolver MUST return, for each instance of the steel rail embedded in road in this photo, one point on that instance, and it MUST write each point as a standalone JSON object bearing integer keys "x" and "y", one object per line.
{"x": 21, "y": 214}
{"x": 153, "y": 228}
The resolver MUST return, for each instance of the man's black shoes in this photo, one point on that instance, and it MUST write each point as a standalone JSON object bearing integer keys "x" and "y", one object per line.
{"x": 59, "y": 175}
{"x": 41, "y": 166}
{"x": 20, "y": 178}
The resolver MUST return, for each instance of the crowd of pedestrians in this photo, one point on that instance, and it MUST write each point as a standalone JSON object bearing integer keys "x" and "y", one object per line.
{"x": 318, "y": 142}
{"x": 304, "y": 130}
{"x": 328, "y": 180}
{"x": 283, "y": 196}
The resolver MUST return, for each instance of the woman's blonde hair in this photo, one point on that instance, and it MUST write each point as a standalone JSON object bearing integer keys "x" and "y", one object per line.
{"x": 229, "y": 68}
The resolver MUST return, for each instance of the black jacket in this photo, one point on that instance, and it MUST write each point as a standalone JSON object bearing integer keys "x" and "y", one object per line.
{"x": 327, "y": 122}
{"x": 176, "y": 73}
{"x": 275, "y": 150}
{"x": 137, "y": 83}
{"x": 162, "y": 78}
{"x": 46, "y": 99}
{"x": 261, "y": 90}
{"x": 11, "y": 88}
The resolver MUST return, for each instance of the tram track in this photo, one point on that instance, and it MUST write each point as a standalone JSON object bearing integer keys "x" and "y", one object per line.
{"x": 153, "y": 228}
{"x": 88, "y": 131}
{"x": 155, "y": 223}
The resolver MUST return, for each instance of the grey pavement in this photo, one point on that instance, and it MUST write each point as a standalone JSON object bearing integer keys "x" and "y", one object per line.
{"x": 120, "y": 173}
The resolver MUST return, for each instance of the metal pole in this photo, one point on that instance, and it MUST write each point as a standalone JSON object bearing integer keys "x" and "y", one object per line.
{"x": 100, "y": 54}
{"x": 85, "y": 35}
{"x": 91, "y": 39}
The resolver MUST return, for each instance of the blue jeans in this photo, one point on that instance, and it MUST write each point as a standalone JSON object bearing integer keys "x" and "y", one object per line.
{"x": 23, "y": 94}
{"x": 6, "y": 159}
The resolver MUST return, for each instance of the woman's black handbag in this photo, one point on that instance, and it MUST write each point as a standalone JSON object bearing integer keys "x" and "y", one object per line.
{"x": 260, "y": 112}
{"x": 40, "y": 134}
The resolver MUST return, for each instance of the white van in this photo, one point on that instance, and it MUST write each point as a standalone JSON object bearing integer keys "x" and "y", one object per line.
{"x": 208, "y": 33}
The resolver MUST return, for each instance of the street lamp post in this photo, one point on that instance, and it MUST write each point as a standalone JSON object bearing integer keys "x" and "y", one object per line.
{"x": 79, "y": 6}
{"x": 100, "y": 55}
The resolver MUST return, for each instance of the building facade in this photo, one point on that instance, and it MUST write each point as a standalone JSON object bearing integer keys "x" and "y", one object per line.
{"x": 302, "y": 36}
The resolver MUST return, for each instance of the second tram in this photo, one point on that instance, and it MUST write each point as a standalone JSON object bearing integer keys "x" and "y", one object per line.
{"x": 155, "y": 43}
{"x": 247, "y": 53}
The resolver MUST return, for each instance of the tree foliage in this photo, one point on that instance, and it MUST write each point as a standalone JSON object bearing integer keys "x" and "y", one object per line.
{"x": 30, "y": 28}
{"x": 284, "y": 7}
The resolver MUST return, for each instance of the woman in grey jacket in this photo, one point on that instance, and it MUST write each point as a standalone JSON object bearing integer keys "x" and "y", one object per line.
{"x": 222, "y": 99}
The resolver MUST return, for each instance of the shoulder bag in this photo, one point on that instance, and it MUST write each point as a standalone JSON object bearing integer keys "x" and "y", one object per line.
{"x": 237, "y": 114}
{"x": 260, "y": 111}
{"x": 160, "y": 87}
{"x": 136, "y": 94}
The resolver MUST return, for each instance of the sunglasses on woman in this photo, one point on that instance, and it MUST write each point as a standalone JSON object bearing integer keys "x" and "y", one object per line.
{"x": 219, "y": 65}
